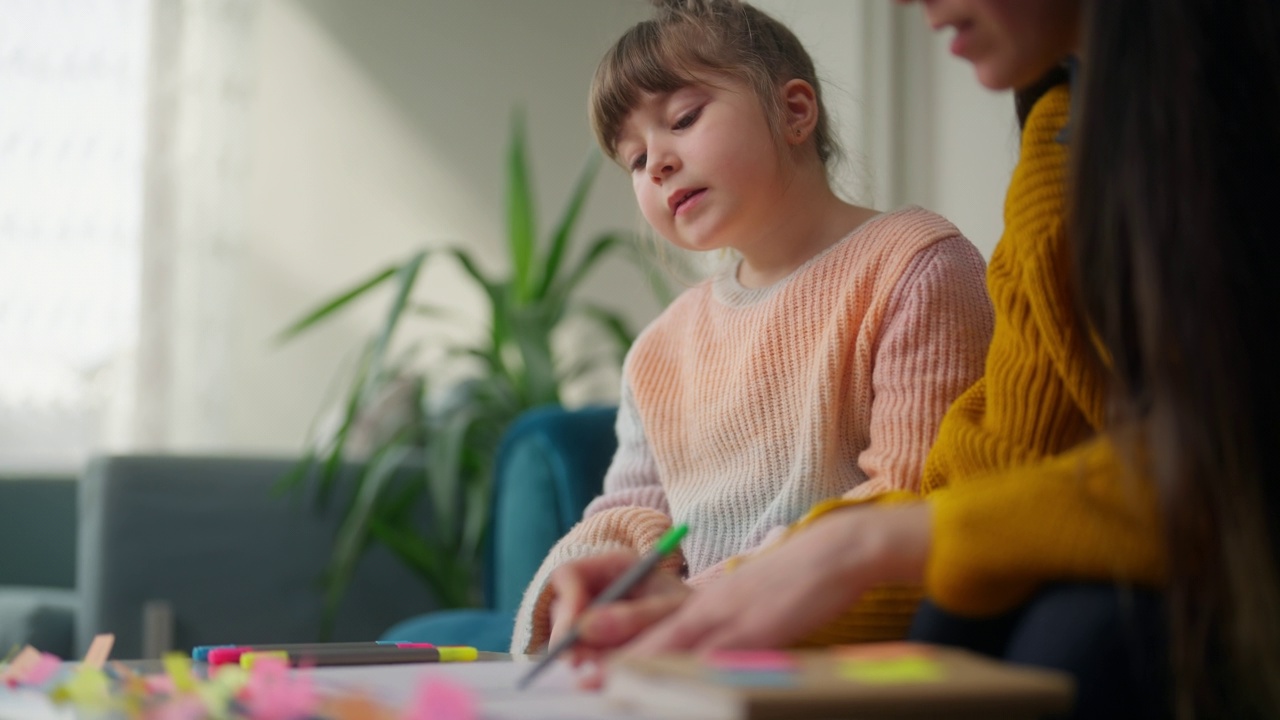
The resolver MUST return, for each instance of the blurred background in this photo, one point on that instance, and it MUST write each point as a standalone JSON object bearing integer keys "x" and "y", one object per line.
{"x": 182, "y": 179}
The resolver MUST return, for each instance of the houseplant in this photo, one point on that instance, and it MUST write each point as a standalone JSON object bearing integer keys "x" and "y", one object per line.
{"x": 452, "y": 432}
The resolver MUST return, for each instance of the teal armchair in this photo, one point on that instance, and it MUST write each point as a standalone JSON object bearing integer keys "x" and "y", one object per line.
{"x": 550, "y": 465}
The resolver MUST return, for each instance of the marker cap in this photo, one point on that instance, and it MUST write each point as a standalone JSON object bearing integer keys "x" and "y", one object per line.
{"x": 200, "y": 653}
{"x": 458, "y": 654}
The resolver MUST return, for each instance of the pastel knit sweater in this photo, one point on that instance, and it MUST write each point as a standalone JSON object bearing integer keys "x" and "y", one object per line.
{"x": 1024, "y": 484}
{"x": 741, "y": 408}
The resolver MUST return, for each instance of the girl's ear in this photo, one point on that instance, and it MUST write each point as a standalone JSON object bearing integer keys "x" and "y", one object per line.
{"x": 800, "y": 104}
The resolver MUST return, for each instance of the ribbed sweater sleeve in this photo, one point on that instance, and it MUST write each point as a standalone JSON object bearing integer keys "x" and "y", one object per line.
{"x": 1081, "y": 515}
{"x": 632, "y": 478}
{"x": 925, "y": 357}
{"x": 631, "y": 513}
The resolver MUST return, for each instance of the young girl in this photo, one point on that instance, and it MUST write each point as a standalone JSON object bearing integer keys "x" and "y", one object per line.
{"x": 818, "y": 364}
{"x": 1145, "y": 308}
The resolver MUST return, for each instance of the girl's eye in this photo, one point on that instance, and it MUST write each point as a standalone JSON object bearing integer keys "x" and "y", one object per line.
{"x": 639, "y": 162}
{"x": 687, "y": 120}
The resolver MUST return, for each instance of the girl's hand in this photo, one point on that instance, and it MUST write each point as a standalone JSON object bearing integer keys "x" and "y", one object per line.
{"x": 781, "y": 595}
{"x": 576, "y": 584}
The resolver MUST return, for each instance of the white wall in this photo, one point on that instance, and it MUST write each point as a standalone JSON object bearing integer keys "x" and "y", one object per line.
{"x": 974, "y": 139}
{"x": 380, "y": 126}
{"x": 915, "y": 123}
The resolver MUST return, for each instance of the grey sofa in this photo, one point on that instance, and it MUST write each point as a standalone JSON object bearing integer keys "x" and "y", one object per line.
{"x": 178, "y": 551}
{"x": 38, "y": 601}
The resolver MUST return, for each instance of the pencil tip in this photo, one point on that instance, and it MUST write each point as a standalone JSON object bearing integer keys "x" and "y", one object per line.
{"x": 523, "y": 682}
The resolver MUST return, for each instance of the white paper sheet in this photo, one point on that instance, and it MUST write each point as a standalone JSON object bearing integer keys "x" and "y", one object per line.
{"x": 553, "y": 696}
{"x": 23, "y": 704}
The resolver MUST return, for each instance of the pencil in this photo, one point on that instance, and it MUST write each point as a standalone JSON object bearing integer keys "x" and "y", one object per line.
{"x": 669, "y": 541}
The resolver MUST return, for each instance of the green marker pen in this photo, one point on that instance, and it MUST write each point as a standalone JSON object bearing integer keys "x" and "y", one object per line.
{"x": 669, "y": 541}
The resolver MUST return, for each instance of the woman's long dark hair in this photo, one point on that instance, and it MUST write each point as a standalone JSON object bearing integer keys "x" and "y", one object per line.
{"x": 1175, "y": 191}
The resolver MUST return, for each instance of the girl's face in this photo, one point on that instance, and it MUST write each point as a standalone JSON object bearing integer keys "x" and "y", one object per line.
{"x": 703, "y": 164}
{"x": 1011, "y": 43}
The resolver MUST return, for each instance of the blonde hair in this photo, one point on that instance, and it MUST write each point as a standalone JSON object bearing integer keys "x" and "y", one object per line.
{"x": 689, "y": 38}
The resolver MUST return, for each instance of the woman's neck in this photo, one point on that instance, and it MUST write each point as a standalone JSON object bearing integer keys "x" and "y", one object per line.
{"x": 813, "y": 219}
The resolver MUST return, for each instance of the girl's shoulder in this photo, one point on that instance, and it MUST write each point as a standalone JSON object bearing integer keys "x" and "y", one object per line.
{"x": 892, "y": 246}
{"x": 899, "y": 233}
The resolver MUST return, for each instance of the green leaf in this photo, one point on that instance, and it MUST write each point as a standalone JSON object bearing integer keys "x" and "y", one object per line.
{"x": 431, "y": 311}
{"x": 399, "y": 505}
{"x": 353, "y": 533}
{"x": 564, "y": 229}
{"x": 406, "y": 275}
{"x": 600, "y": 248}
{"x": 613, "y": 323}
{"x": 520, "y": 216}
{"x": 484, "y": 355}
{"x": 334, "y": 458}
{"x": 447, "y": 442}
{"x": 495, "y": 291}
{"x": 296, "y": 477}
{"x": 429, "y": 562}
{"x": 585, "y": 365}
{"x": 329, "y": 307}
{"x": 532, "y": 333}
{"x": 475, "y": 523}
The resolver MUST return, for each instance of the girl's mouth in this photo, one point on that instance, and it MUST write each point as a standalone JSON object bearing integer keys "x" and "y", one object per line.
{"x": 686, "y": 200}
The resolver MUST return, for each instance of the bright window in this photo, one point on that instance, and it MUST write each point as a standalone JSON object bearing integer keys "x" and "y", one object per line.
{"x": 72, "y": 116}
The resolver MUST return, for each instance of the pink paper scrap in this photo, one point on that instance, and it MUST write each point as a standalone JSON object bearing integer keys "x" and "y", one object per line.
{"x": 274, "y": 693}
{"x": 438, "y": 698}
{"x": 44, "y": 668}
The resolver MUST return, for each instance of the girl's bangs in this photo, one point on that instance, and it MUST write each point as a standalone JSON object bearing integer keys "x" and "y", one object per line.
{"x": 641, "y": 63}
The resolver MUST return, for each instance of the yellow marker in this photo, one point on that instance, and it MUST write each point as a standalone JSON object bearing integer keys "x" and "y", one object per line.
{"x": 178, "y": 666}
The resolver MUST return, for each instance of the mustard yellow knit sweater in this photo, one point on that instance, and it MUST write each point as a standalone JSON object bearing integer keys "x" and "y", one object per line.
{"x": 1025, "y": 487}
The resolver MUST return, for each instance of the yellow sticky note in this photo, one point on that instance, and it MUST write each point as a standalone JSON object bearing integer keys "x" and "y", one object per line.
{"x": 178, "y": 666}
{"x": 221, "y": 689}
{"x": 890, "y": 672}
{"x": 87, "y": 688}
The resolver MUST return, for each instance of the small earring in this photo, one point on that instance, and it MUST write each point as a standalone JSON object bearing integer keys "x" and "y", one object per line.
{"x": 798, "y": 132}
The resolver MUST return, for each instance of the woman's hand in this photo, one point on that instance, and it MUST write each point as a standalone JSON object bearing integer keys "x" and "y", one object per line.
{"x": 576, "y": 584}
{"x": 806, "y": 581}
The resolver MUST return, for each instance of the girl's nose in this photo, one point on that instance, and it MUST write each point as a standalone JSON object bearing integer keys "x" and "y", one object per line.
{"x": 662, "y": 166}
